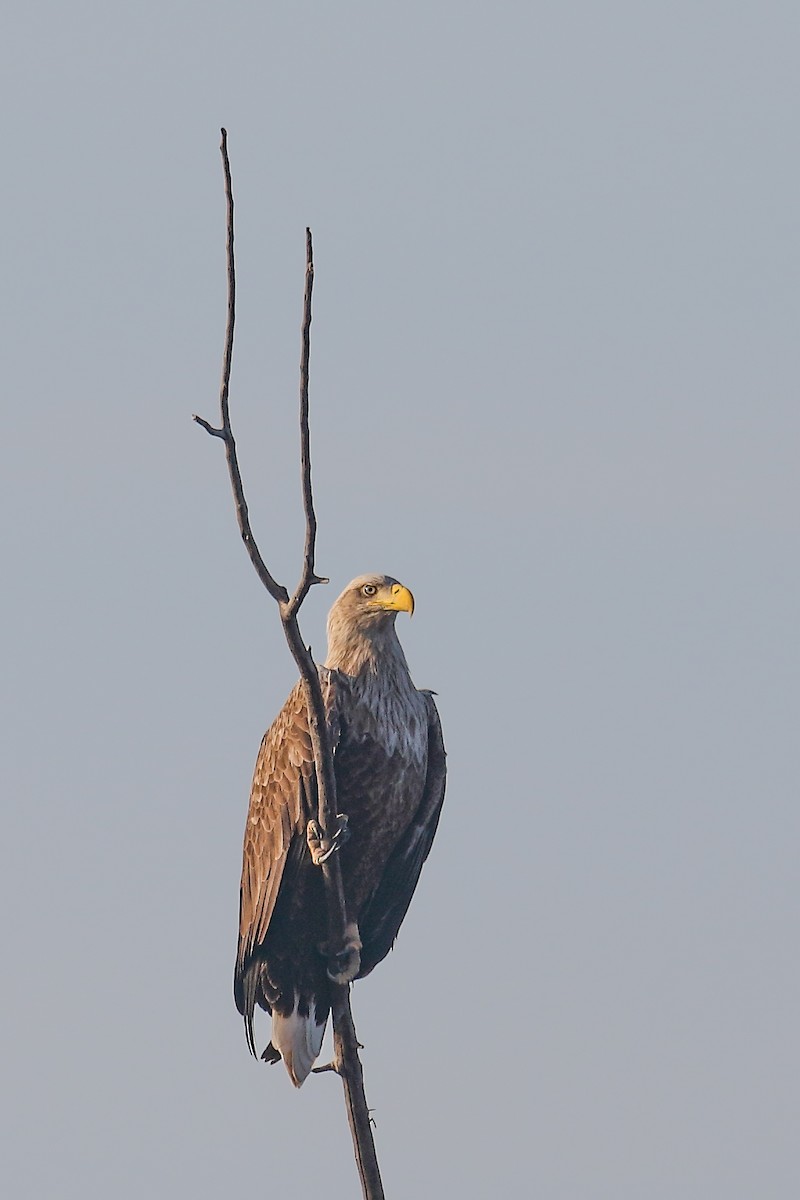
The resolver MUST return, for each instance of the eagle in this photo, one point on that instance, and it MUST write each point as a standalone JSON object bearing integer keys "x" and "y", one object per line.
{"x": 389, "y": 763}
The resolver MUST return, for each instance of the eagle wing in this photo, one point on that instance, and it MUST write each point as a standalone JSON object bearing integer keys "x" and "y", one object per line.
{"x": 384, "y": 912}
{"x": 283, "y": 798}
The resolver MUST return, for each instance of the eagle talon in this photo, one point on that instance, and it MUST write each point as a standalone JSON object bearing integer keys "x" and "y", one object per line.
{"x": 347, "y": 963}
{"x": 314, "y": 839}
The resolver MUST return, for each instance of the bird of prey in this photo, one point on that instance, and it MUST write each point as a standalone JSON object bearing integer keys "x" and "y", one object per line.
{"x": 389, "y": 762}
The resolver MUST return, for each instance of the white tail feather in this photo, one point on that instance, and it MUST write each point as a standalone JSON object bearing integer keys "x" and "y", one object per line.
{"x": 299, "y": 1041}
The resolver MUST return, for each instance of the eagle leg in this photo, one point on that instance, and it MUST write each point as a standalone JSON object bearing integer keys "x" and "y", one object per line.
{"x": 341, "y": 834}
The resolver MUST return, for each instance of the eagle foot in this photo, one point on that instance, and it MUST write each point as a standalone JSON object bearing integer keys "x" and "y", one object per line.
{"x": 341, "y": 834}
{"x": 347, "y": 963}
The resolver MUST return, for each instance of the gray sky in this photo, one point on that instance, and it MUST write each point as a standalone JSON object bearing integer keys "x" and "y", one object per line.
{"x": 554, "y": 389}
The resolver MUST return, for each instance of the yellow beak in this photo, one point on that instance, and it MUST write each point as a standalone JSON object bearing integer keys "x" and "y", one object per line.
{"x": 398, "y": 600}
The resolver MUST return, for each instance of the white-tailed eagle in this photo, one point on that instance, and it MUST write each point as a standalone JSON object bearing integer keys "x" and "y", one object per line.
{"x": 389, "y": 762}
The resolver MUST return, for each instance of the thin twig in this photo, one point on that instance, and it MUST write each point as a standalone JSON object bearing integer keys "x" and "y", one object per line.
{"x": 346, "y": 1061}
{"x": 275, "y": 589}
{"x": 309, "y": 577}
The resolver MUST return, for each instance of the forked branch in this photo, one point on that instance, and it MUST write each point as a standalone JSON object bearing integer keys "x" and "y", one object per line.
{"x": 346, "y": 1061}
{"x": 275, "y": 589}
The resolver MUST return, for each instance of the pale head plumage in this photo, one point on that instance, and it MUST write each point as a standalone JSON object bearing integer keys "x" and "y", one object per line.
{"x": 361, "y": 623}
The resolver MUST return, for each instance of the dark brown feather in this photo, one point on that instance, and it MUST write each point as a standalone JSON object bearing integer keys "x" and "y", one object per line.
{"x": 282, "y": 801}
{"x": 384, "y": 912}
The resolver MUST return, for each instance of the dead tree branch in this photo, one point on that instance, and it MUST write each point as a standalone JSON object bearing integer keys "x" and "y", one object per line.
{"x": 346, "y": 1061}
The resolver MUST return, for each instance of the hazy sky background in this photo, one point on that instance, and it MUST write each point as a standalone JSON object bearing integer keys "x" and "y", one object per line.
{"x": 555, "y": 391}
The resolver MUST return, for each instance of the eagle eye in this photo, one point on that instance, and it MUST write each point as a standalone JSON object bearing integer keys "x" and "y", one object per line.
{"x": 369, "y": 589}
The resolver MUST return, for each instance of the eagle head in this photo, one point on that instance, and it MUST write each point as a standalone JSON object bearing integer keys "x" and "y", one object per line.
{"x": 363, "y": 618}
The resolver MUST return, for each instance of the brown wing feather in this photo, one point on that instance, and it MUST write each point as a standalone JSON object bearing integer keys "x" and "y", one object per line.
{"x": 281, "y": 804}
{"x": 386, "y": 908}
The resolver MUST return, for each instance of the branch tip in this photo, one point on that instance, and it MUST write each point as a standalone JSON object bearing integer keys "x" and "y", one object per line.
{"x": 212, "y": 429}
{"x": 331, "y": 1066}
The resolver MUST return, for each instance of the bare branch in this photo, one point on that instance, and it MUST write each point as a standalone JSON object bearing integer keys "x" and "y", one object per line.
{"x": 220, "y": 433}
{"x": 275, "y": 589}
{"x": 308, "y": 577}
{"x": 346, "y": 1061}
{"x": 331, "y": 1066}
{"x": 345, "y": 1049}
{"x": 228, "y": 357}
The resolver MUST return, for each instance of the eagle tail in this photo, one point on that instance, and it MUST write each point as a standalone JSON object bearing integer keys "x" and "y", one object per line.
{"x": 298, "y": 1038}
